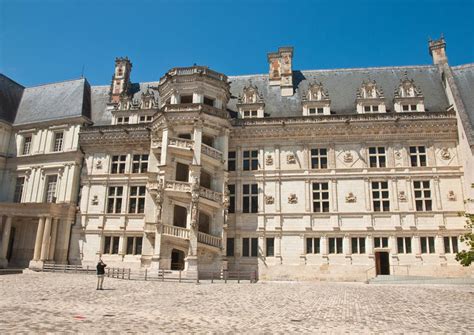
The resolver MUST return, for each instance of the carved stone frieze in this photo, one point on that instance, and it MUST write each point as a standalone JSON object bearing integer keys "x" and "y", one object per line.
{"x": 290, "y": 159}
{"x": 269, "y": 160}
{"x": 292, "y": 198}
{"x": 350, "y": 197}
{"x": 269, "y": 200}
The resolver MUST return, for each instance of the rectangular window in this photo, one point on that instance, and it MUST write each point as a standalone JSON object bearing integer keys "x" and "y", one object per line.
{"x": 418, "y": 156}
{"x": 58, "y": 141}
{"x": 209, "y": 101}
{"x": 319, "y": 158}
{"x": 250, "y": 198}
{"x": 377, "y": 157}
{"x": 335, "y": 245}
{"x": 380, "y": 197}
{"x": 118, "y": 164}
{"x": 137, "y": 199}
{"x": 250, "y": 160}
{"x": 230, "y": 247}
{"x": 134, "y": 245}
{"x": 186, "y": 99}
{"x": 371, "y": 108}
{"x": 123, "y": 120}
{"x": 427, "y": 245}
{"x": 422, "y": 195}
{"x": 231, "y": 161}
{"x": 145, "y": 118}
{"x": 111, "y": 245}
{"x": 320, "y": 197}
{"x": 231, "y": 198}
{"x": 51, "y": 182}
{"x": 404, "y": 245}
{"x": 250, "y": 247}
{"x": 358, "y": 245}
{"x": 114, "y": 199}
{"x": 20, "y": 183}
{"x": 250, "y": 114}
{"x": 270, "y": 246}
{"x": 316, "y": 111}
{"x": 140, "y": 163}
{"x": 313, "y": 245}
{"x": 381, "y": 242}
{"x": 451, "y": 245}
{"x": 409, "y": 108}
{"x": 26, "y": 145}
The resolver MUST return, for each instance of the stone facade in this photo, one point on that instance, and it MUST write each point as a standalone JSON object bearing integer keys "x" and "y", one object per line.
{"x": 337, "y": 174}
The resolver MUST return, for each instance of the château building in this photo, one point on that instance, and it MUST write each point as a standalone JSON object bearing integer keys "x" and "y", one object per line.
{"x": 318, "y": 174}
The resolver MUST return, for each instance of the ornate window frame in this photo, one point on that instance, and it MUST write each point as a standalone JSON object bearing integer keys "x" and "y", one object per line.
{"x": 316, "y": 99}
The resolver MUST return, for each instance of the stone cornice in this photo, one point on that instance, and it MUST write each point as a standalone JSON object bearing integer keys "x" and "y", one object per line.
{"x": 384, "y": 126}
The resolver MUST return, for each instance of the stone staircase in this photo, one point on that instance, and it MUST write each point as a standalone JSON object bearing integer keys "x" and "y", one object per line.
{"x": 395, "y": 280}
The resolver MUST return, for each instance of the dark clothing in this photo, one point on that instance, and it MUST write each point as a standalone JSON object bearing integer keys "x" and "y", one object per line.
{"x": 101, "y": 268}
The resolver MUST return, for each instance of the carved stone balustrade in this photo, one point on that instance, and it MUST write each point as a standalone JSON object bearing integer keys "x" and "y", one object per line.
{"x": 149, "y": 227}
{"x": 210, "y": 194}
{"x": 195, "y": 107}
{"x": 211, "y": 240}
{"x": 211, "y": 152}
{"x": 178, "y": 186}
{"x": 175, "y": 231}
{"x": 180, "y": 143}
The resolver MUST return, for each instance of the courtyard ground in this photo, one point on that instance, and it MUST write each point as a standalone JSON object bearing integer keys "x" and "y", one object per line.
{"x": 52, "y": 302}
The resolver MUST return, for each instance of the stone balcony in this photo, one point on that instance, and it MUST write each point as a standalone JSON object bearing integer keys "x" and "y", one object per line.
{"x": 212, "y": 152}
{"x": 184, "y": 234}
{"x": 194, "y": 107}
{"x": 210, "y": 194}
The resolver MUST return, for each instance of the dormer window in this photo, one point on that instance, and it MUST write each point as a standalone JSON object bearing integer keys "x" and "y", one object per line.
{"x": 408, "y": 97}
{"x": 370, "y": 98}
{"x": 250, "y": 103}
{"x": 123, "y": 120}
{"x": 316, "y": 100}
{"x": 26, "y": 145}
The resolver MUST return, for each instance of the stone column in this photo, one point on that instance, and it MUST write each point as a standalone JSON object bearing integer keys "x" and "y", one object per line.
{"x": 164, "y": 146}
{"x": 46, "y": 239}
{"x": 39, "y": 238}
{"x": 52, "y": 244}
{"x": 197, "y": 143}
{"x": 5, "y": 242}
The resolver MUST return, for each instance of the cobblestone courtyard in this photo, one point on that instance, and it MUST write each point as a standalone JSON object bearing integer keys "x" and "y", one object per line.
{"x": 40, "y": 302}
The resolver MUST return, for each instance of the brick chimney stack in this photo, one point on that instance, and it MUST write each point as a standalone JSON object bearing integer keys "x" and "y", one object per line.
{"x": 121, "y": 79}
{"x": 281, "y": 72}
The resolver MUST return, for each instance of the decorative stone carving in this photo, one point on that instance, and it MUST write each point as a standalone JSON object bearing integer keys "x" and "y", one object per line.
{"x": 451, "y": 196}
{"x": 316, "y": 92}
{"x": 250, "y": 95}
{"x": 445, "y": 154}
{"x": 291, "y": 159}
{"x": 226, "y": 198}
{"x": 402, "y": 196}
{"x": 292, "y": 198}
{"x": 269, "y": 160}
{"x": 398, "y": 154}
{"x": 194, "y": 215}
{"x": 98, "y": 165}
{"x": 348, "y": 158}
{"x": 95, "y": 200}
{"x": 351, "y": 197}
{"x": 369, "y": 90}
{"x": 269, "y": 200}
{"x": 195, "y": 189}
{"x": 407, "y": 88}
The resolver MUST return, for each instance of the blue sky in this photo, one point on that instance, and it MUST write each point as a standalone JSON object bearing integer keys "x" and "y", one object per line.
{"x": 46, "y": 41}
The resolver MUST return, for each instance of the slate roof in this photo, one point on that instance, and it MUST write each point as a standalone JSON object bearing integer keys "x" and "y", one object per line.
{"x": 464, "y": 78}
{"x": 54, "y": 101}
{"x": 10, "y": 96}
{"x": 342, "y": 86}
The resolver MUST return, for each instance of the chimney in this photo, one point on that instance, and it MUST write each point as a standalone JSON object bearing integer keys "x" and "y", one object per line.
{"x": 121, "y": 79}
{"x": 281, "y": 73}
{"x": 438, "y": 51}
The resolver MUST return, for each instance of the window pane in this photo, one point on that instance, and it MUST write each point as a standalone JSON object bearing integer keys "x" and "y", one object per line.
{"x": 309, "y": 245}
{"x": 270, "y": 246}
{"x": 408, "y": 245}
{"x": 138, "y": 245}
{"x": 254, "y": 247}
{"x": 245, "y": 247}
{"x": 230, "y": 247}
{"x": 129, "y": 245}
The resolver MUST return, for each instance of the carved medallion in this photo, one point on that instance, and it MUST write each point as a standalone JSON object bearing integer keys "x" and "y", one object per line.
{"x": 269, "y": 200}
{"x": 292, "y": 198}
{"x": 291, "y": 159}
{"x": 351, "y": 197}
{"x": 269, "y": 160}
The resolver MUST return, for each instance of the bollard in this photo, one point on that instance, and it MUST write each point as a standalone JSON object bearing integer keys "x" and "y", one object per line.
{"x": 179, "y": 276}
{"x": 162, "y": 274}
{"x": 212, "y": 277}
{"x": 128, "y": 273}
{"x": 238, "y": 277}
{"x": 146, "y": 274}
{"x": 108, "y": 272}
{"x": 87, "y": 269}
{"x": 225, "y": 276}
{"x": 123, "y": 273}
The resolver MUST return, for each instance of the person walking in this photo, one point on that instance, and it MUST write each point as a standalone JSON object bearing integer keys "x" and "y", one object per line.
{"x": 100, "y": 274}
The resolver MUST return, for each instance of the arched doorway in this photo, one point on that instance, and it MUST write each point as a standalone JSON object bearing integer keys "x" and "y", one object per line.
{"x": 177, "y": 259}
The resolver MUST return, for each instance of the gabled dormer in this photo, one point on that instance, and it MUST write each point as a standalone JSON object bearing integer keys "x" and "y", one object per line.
{"x": 250, "y": 103}
{"x": 408, "y": 97}
{"x": 370, "y": 98}
{"x": 316, "y": 100}
{"x": 147, "y": 100}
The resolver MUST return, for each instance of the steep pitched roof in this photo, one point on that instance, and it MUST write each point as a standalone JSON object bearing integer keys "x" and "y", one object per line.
{"x": 10, "y": 96}
{"x": 54, "y": 101}
{"x": 464, "y": 78}
{"x": 342, "y": 86}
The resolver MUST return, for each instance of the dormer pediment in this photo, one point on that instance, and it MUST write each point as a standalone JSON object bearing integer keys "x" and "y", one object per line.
{"x": 408, "y": 97}
{"x": 316, "y": 92}
{"x": 370, "y": 98}
{"x": 250, "y": 103}
{"x": 369, "y": 90}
